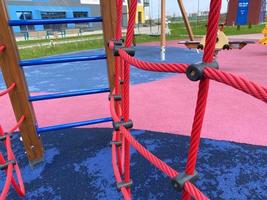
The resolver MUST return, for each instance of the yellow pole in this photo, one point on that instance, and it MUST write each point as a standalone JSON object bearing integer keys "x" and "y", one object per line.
{"x": 163, "y": 30}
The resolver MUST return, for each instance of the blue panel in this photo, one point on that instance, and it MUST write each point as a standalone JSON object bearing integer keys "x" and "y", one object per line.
{"x": 54, "y": 21}
{"x": 242, "y": 12}
{"x": 36, "y": 12}
{"x": 42, "y": 61}
{"x": 68, "y": 94}
{"x": 74, "y": 124}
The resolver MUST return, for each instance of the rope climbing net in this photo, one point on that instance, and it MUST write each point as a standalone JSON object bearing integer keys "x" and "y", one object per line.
{"x": 119, "y": 102}
{"x": 10, "y": 165}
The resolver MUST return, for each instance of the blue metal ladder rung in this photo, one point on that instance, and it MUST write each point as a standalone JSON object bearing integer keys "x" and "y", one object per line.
{"x": 68, "y": 94}
{"x": 54, "y": 21}
{"x": 43, "y": 61}
{"x": 74, "y": 124}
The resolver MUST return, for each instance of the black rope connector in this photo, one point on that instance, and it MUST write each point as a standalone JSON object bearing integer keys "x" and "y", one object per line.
{"x": 116, "y": 143}
{"x": 179, "y": 181}
{"x": 200, "y": 46}
{"x": 129, "y": 50}
{"x": 119, "y": 44}
{"x": 124, "y": 184}
{"x": 116, "y": 97}
{"x": 116, "y": 42}
{"x": 121, "y": 82}
{"x": 3, "y": 138}
{"x": 5, "y": 165}
{"x": 127, "y": 125}
{"x": 195, "y": 72}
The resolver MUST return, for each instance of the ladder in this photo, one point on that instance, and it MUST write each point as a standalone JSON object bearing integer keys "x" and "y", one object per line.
{"x": 12, "y": 70}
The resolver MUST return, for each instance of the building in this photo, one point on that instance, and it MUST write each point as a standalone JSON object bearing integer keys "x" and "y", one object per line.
{"x": 140, "y": 15}
{"x": 241, "y": 12}
{"x": 52, "y": 9}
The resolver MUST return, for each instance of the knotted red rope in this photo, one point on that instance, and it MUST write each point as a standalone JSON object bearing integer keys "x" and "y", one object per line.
{"x": 121, "y": 155}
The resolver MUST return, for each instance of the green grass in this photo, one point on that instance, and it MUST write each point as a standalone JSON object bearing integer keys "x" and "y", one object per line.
{"x": 177, "y": 29}
{"x": 31, "y": 42}
{"x": 42, "y": 51}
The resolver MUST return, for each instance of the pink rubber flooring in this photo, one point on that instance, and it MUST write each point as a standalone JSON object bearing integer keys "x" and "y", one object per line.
{"x": 168, "y": 105}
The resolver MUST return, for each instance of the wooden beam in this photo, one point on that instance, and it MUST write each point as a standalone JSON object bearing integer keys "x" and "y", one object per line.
{"x": 186, "y": 20}
{"x": 163, "y": 29}
{"x": 108, "y": 11}
{"x": 13, "y": 73}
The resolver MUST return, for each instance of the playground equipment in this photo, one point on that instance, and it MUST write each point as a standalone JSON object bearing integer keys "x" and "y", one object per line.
{"x": 264, "y": 39}
{"x": 222, "y": 42}
{"x": 164, "y": 28}
{"x": 120, "y": 55}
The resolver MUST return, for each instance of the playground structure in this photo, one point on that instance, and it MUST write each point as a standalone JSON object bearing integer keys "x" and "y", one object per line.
{"x": 120, "y": 55}
{"x": 164, "y": 28}
{"x": 222, "y": 42}
{"x": 264, "y": 39}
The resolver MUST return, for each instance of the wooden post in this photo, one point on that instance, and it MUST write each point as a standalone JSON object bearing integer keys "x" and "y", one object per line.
{"x": 163, "y": 30}
{"x": 186, "y": 20}
{"x": 108, "y": 11}
{"x": 13, "y": 73}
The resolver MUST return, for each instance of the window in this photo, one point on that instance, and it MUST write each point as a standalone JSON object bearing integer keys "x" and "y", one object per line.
{"x": 81, "y": 15}
{"x": 54, "y": 15}
{"x": 23, "y": 15}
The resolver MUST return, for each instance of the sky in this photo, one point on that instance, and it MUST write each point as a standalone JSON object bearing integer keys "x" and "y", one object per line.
{"x": 172, "y": 7}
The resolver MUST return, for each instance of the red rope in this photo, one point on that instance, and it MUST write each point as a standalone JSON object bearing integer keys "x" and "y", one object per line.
{"x": 2, "y": 48}
{"x": 151, "y": 66}
{"x": 125, "y": 88}
{"x": 119, "y": 5}
{"x": 237, "y": 82}
{"x": 117, "y": 173}
{"x": 189, "y": 187}
{"x": 10, "y": 88}
{"x": 120, "y": 155}
{"x": 17, "y": 125}
{"x": 211, "y": 39}
{"x": 18, "y": 186}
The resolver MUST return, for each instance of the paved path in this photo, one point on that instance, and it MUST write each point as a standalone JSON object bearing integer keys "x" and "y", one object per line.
{"x": 247, "y": 36}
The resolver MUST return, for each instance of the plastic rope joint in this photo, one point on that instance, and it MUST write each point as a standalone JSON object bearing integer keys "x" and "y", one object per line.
{"x": 124, "y": 184}
{"x": 3, "y": 138}
{"x": 5, "y": 165}
{"x": 116, "y": 97}
{"x": 116, "y": 143}
{"x": 127, "y": 125}
{"x": 195, "y": 72}
{"x": 179, "y": 181}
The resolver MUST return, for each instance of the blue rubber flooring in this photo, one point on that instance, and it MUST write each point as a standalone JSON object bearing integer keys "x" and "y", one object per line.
{"x": 78, "y": 166}
{"x": 93, "y": 74}
{"x": 78, "y": 161}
